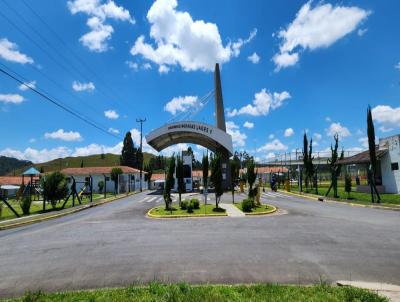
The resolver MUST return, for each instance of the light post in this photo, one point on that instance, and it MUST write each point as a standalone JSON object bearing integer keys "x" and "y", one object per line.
{"x": 141, "y": 121}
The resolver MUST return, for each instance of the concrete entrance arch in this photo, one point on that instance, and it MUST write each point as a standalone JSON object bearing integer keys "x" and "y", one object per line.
{"x": 212, "y": 137}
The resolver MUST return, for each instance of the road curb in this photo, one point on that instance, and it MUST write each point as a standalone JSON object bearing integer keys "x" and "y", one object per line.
{"x": 57, "y": 215}
{"x": 273, "y": 210}
{"x": 340, "y": 202}
{"x": 154, "y": 216}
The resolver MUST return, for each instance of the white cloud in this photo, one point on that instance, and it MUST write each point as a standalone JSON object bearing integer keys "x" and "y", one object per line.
{"x": 132, "y": 65}
{"x": 339, "y": 129}
{"x": 146, "y": 66}
{"x": 77, "y": 86}
{"x": 384, "y": 129}
{"x": 113, "y": 131}
{"x": 248, "y": 125}
{"x": 397, "y": 66}
{"x": 275, "y": 145}
{"x": 180, "y": 40}
{"x": 181, "y": 104}
{"x": 317, "y": 136}
{"x": 386, "y": 115}
{"x": 163, "y": 69}
{"x": 362, "y": 32}
{"x": 9, "y": 52}
{"x": 26, "y": 85}
{"x": 35, "y": 155}
{"x": 289, "y": 132}
{"x": 363, "y": 141}
{"x": 270, "y": 155}
{"x": 60, "y": 134}
{"x": 111, "y": 114}
{"x": 11, "y": 98}
{"x": 328, "y": 119}
{"x": 238, "y": 138}
{"x": 316, "y": 27}
{"x": 96, "y": 40}
{"x": 271, "y": 136}
{"x": 254, "y": 58}
{"x": 263, "y": 102}
{"x": 32, "y": 140}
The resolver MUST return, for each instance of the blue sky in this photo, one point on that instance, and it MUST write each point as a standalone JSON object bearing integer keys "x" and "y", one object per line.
{"x": 287, "y": 67}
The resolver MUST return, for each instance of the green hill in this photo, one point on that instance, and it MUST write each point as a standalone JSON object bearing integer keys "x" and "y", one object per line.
{"x": 9, "y": 164}
{"x": 58, "y": 164}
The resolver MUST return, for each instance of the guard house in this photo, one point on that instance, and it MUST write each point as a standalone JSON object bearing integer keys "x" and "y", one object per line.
{"x": 388, "y": 161}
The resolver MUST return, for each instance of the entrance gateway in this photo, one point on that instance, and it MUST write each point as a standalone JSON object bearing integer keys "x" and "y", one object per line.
{"x": 211, "y": 137}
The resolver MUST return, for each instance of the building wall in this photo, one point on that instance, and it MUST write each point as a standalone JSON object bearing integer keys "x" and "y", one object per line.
{"x": 390, "y": 178}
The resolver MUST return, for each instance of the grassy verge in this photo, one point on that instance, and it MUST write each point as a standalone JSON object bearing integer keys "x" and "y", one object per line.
{"x": 263, "y": 208}
{"x": 355, "y": 197}
{"x": 37, "y": 206}
{"x": 212, "y": 293}
{"x": 204, "y": 210}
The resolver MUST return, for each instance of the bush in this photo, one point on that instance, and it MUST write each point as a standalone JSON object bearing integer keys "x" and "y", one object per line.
{"x": 190, "y": 208}
{"x": 195, "y": 203}
{"x": 247, "y": 205}
{"x": 100, "y": 184}
{"x": 55, "y": 188}
{"x": 184, "y": 204}
{"x": 25, "y": 205}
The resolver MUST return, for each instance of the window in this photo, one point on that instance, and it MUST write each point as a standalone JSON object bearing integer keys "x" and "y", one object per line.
{"x": 395, "y": 166}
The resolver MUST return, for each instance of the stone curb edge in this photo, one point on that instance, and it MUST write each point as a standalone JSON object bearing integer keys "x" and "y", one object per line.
{"x": 40, "y": 219}
{"x": 153, "y": 216}
{"x": 273, "y": 210}
{"x": 341, "y": 202}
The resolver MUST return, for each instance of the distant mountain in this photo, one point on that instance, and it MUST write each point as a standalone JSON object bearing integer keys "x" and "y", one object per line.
{"x": 98, "y": 160}
{"x": 9, "y": 164}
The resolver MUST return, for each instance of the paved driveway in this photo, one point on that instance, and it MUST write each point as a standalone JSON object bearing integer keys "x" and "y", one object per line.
{"x": 115, "y": 244}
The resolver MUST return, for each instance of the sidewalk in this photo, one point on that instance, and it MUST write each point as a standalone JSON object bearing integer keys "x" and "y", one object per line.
{"x": 231, "y": 210}
{"x": 391, "y": 291}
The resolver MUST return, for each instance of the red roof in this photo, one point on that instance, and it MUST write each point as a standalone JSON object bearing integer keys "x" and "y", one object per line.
{"x": 14, "y": 180}
{"x": 267, "y": 170}
{"x": 98, "y": 170}
{"x": 158, "y": 176}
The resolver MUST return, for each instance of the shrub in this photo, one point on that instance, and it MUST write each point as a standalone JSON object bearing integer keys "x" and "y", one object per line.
{"x": 100, "y": 184}
{"x": 25, "y": 205}
{"x": 195, "y": 203}
{"x": 55, "y": 188}
{"x": 247, "y": 205}
{"x": 1, "y": 209}
{"x": 184, "y": 204}
{"x": 190, "y": 208}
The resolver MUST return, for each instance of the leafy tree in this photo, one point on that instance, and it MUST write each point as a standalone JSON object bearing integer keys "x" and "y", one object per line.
{"x": 204, "y": 166}
{"x": 234, "y": 167}
{"x": 216, "y": 177}
{"x": 25, "y": 205}
{"x": 251, "y": 176}
{"x": 347, "y": 184}
{"x": 55, "y": 187}
{"x": 334, "y": 166}
{"x": 169, "y": 183}
{"x": 179, "y": 177}
{"x": 129, "y": 154}
{"x": 115, "y": 173}
{"x": 100, "y": 185}
{"x": 372, "y": 155}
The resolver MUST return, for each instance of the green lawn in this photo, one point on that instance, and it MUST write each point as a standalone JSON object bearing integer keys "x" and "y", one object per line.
{"x": 257, "y": 209}
{"x": 156, "y": 292}
{"x": 209, "y": 209}
{"x": 356, "y": 197}
{"x": 37, "y": 207}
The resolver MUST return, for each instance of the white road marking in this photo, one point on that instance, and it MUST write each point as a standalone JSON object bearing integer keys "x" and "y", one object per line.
{"x": 152, "y": 199}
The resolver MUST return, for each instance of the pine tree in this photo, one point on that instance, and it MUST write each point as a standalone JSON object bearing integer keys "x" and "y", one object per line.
{"x": 129, "y": 153}
{"x": 179, "y": 177}
{"x": 204, "y": 165}
{"x": 305, "y": 159}
{"x": 216, "y": 177}
{"x": 372, "y": 155}
{"x": 234, "y": 167}
{"x": 169, "y": 183}
{"x": 251, "y": 176}
{"x": 82, "y": 163}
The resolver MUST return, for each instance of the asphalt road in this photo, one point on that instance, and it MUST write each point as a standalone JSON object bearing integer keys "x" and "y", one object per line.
{"x": 116, "y": 245}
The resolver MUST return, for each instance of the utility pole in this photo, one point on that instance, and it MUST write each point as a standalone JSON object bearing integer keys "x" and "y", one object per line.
{"x": 141, "y": 121}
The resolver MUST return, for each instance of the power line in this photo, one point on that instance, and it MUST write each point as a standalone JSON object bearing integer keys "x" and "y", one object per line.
{"x": 55, "y": 102}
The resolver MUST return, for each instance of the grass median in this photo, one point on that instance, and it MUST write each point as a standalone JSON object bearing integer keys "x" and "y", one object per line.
{"x": 258, "y": 209}
{"x": 211, "y": 293}
{"x": 204, "y": 210}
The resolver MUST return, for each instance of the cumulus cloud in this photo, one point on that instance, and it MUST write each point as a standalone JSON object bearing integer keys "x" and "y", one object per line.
{"x": 289, "y": 132}
{"x": 100, "y": 32}
{"x": 111, "y": 114}
{"x": 178, "y": 40}
{"x": 364, "y": 142}
{"x": 316, "y": 27}
{"x": 11, "y": 98}
{"x": 36, "y": 155}
{"x": 9, "y": 52}
{"x": 386, "y": 116}
{"x": 238, "y": 138}
{"x": 362, "y": 31}
{"x": 271, "y": 136}
{"x": 254, "y": 58}
{"x": 263, "y": 102}
{"x": 181, "y": 104}
{"x": 275, "y": 145}
{"x": 384, "y": 129}
{"x": 77, "y": 86}
{"x": 317, "y": 136}
{"x": 27, "y": 85}
{"x": 113, "y": 130}
{"x": 337, "y": 128}
{"x": 67, "y": 136}
{"x": 248, "y": 125}
{"x": 397, "y": 66}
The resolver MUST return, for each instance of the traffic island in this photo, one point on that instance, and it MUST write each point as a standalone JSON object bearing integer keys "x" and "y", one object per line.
{"x": 263, "y": 209}
{"x": 208, "y": 210}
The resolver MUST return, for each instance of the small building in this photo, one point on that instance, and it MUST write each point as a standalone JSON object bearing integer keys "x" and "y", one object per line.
{"x": 129, "y": 180}
{"x": 157, "y": 181}
{"x": 388, "y": 161}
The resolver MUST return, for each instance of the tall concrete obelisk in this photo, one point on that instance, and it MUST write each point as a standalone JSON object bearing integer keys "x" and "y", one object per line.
{"x": 220, "y": 123}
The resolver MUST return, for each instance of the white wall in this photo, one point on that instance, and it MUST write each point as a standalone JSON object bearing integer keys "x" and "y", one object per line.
{"x": 390, "y": 178}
